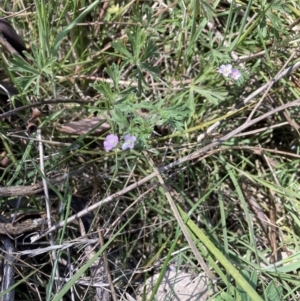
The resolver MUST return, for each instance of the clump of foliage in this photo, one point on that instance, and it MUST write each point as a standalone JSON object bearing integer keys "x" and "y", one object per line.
{"x": 199, "y": 157}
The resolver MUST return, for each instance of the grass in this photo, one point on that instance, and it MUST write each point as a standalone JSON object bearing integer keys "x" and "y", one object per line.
{"x": 212, "y": 181}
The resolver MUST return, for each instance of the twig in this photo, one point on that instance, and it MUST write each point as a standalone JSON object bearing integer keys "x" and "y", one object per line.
{"x": 106, "y": 266}
{"x": 270, "y": 85}
{"x": 8, "y": 47}
{"x": 8, "y": 270}
{"x": 43, "y": 102}
{"x": 48, "y": 206}
{"x": 36, "y": 188}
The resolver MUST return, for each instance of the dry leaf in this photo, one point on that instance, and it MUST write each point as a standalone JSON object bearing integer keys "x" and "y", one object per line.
{"x": 83, "y": 126}
{"x": 35, "y": 114}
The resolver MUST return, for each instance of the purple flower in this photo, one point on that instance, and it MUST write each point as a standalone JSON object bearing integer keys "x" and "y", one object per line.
{"x": 110, "y": 142}
{"x": 225, "y": 70}
{"x": 235, "y": 74}
{"x": 129, "y": 142}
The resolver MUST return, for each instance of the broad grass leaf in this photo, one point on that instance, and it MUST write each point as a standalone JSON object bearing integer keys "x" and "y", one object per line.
{"x": 274, "y": 292}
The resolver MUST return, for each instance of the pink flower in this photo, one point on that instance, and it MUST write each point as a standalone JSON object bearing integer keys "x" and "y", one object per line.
{"x": 129, "y": 142}
{"x": 225, "y": 70}
{"x": 235, "y": 74}
{"x": 110, "y": 142}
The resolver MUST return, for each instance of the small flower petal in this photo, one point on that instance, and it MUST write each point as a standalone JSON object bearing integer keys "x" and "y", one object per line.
{"x": 235, "y": 74}
{"x": 110, "y": 142}
{"x": 128, "y": 137}
{"x": 225, "y": 70}
{"x": 129, "y": 142}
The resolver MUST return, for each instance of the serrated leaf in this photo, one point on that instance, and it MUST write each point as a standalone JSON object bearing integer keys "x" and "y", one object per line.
{"x": 114, "y": 73}
{"x": 20, "y": 66}
{"x": 137, "y": 38}
{"x": 150, "y": 50}
{"x": 24, "y": 82}
{"x": 121, "y": 49}
{"x": 152, "y": 69}
{"x": 213, "y": 96}
{"x": 104, "y": 89}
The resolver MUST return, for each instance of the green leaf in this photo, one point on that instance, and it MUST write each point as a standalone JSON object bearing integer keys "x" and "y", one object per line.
{"x": 114, "y": 73}
{"x": 274, "y": 292}
{"x": 224, "y": 297}
{"x": 213, "y": 96}
{"x": 239, "y": 279}
{"x": 121, "y": 49}
{"x": 68, "y": 28}
{"x": 287, "y": 265}
{"x": 105, "y": 89}
{"x": 151, "y": 69}
{"x": 150, "y": 50}
{"x": 137, "y": 38}
{"x": 252, "y": 279}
